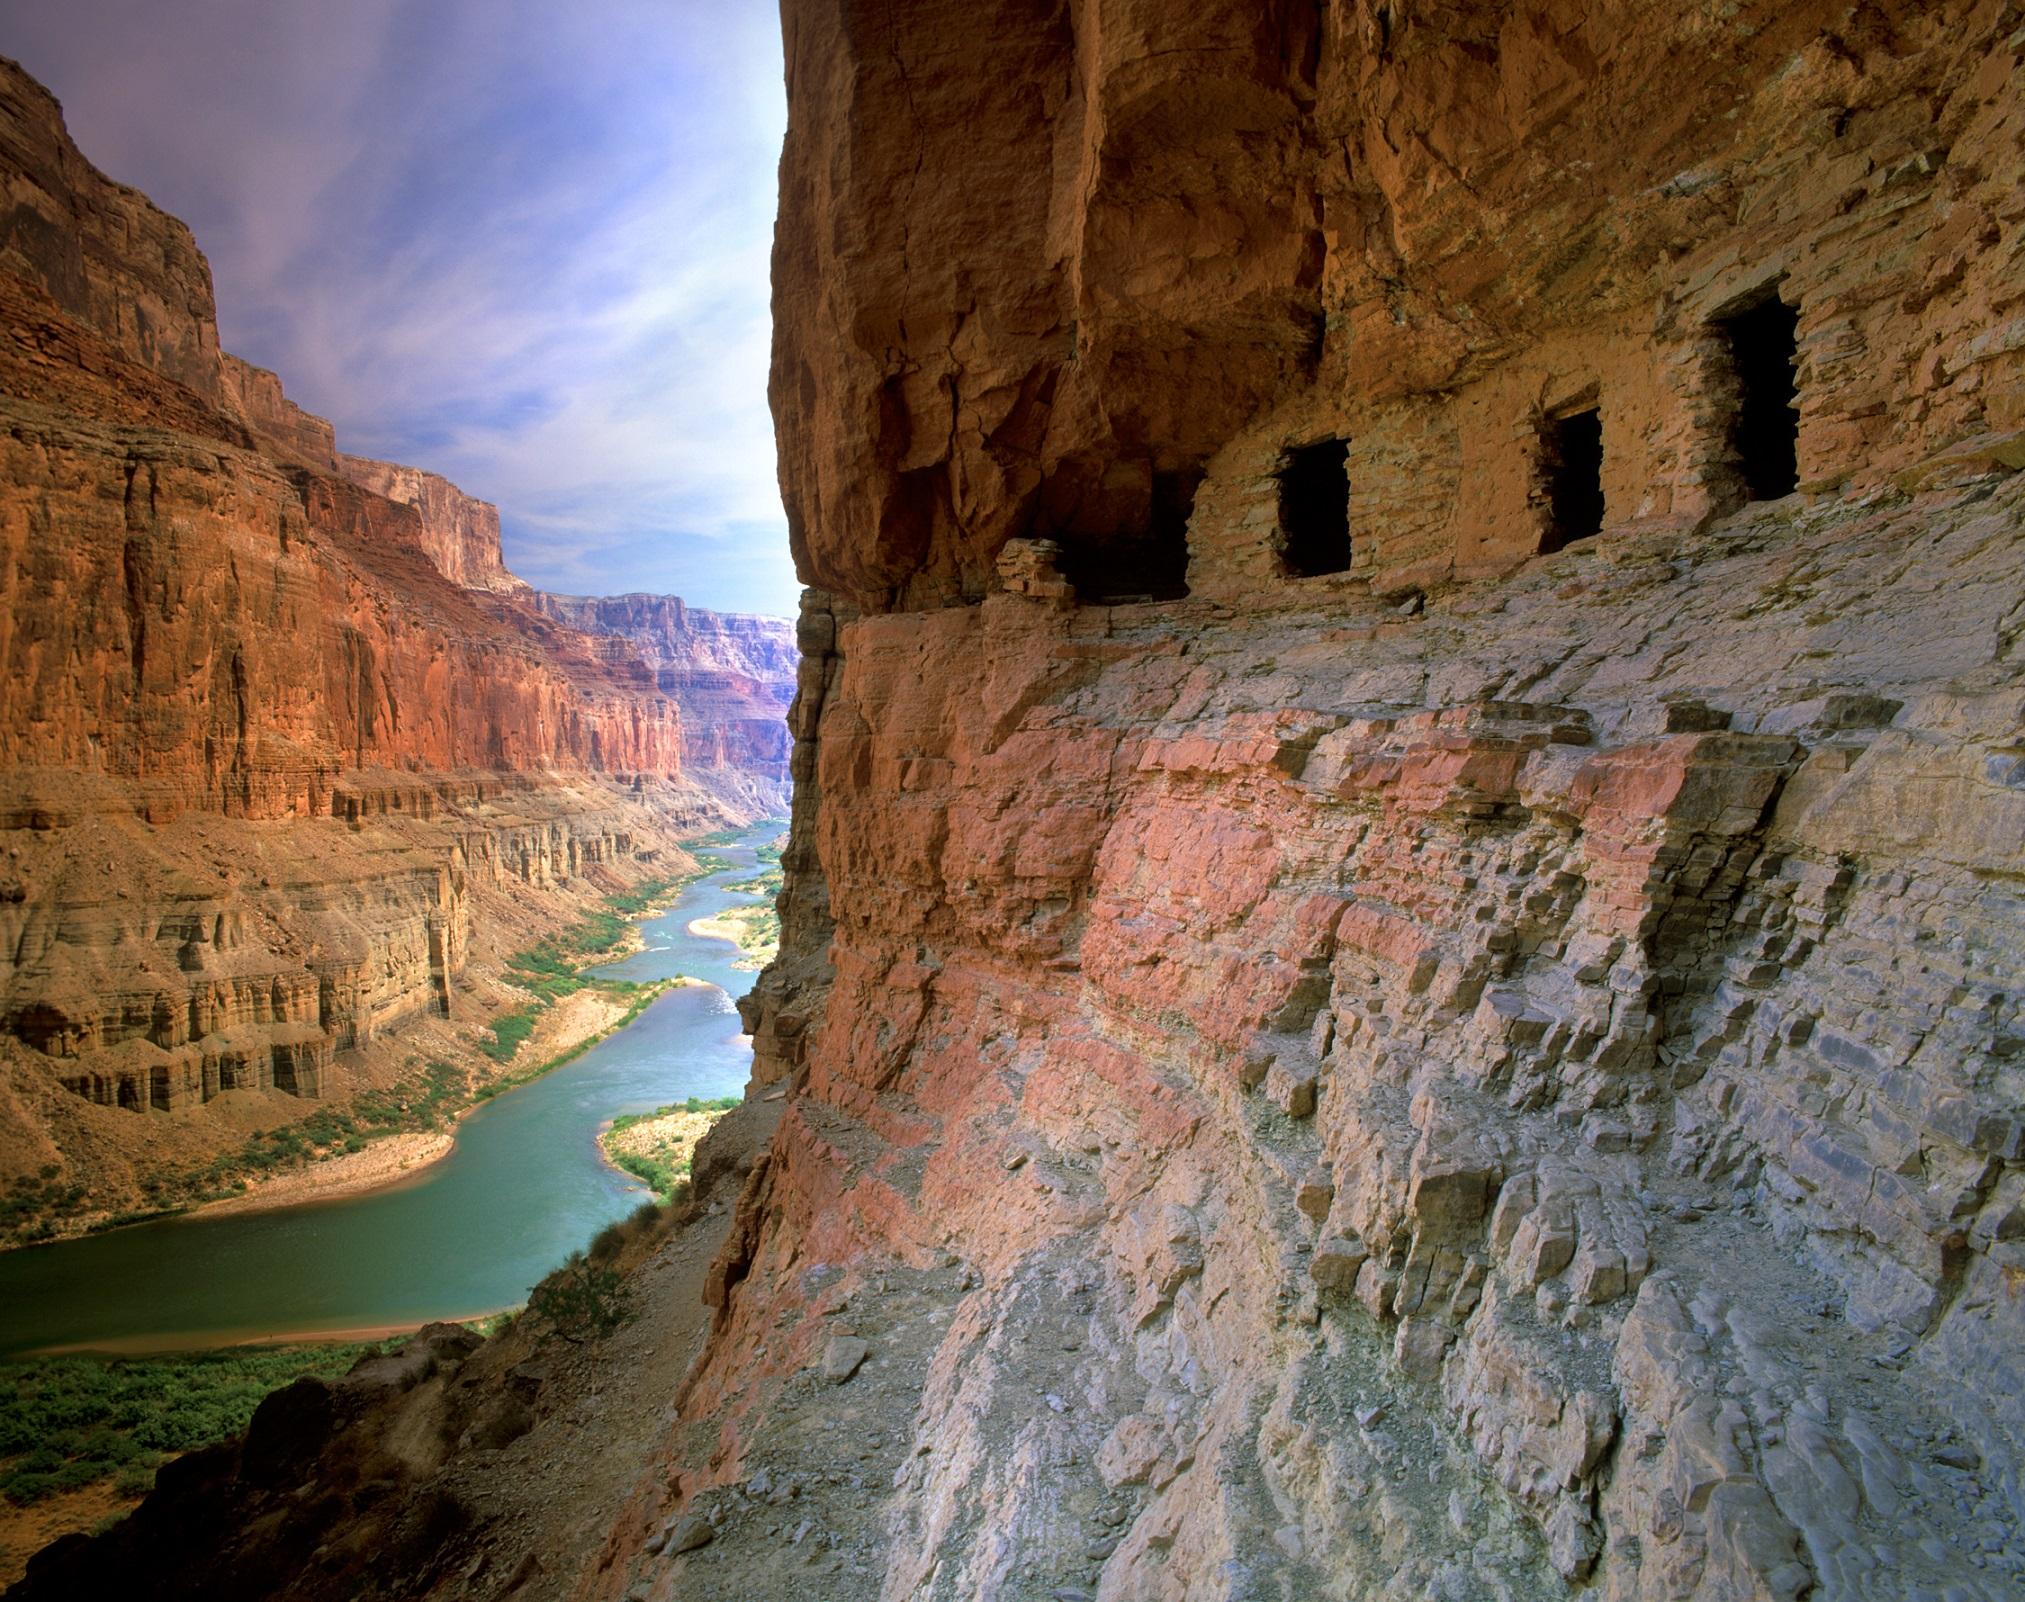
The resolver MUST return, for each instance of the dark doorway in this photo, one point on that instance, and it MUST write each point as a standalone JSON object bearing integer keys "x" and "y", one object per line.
{"x": 1118, "y": 569}
{"x": 1765, "y": 436}
{"x": 1315, "y": 509}
{"x": 1571, "y": 463}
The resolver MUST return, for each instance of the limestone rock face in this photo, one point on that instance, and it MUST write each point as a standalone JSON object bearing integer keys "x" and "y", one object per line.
{"x": 1606, "y": 1083}
{"x": 1475, "y": 1054}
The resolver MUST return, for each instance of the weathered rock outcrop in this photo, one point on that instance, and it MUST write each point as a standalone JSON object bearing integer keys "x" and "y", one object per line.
{"x": 1168, "y": 239}
{"x": 460, "y": 534}
{"x": 1475, "y": 1054}
{"x": 101, "y": 252}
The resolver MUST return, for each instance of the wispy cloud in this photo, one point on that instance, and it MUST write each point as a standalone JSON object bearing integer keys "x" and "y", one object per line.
{"x": 520, "y": 242}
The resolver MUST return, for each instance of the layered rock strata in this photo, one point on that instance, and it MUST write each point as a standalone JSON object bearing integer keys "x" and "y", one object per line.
{"x": 460, "y": 534}
{"x": 1475, "y": 1054}
{"x": 281, "y": 732}
{"x": 731, "y": 675}
{"x": 154, "y": 967}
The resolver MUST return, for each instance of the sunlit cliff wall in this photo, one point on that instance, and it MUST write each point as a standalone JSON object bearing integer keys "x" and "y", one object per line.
{"x": 276, "y": 724}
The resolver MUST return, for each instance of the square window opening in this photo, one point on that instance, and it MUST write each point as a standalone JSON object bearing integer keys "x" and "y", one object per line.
{"x": 1315, "y": 509}
{"x": 1571, "y": 466}
{"x": 1149, "y": 564}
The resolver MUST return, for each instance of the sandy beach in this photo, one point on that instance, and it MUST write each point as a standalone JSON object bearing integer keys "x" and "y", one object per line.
{"x": 739, "y": 925}
{"x": 219, "y": 1340}
{"x": 393, "y": 1161}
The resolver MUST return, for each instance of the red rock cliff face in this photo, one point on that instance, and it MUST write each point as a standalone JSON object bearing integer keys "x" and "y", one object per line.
{"x": 105, "y": 255}
{"x": 227, "y": 639}
{"x": 1475, "y": 1053}
{"x": 277, "y": 727}
{"x": 229, "y": 643}
{"x": 460, "y": 535}
{"x": 731, "y": 675}
{"x": 1412, "y": 231}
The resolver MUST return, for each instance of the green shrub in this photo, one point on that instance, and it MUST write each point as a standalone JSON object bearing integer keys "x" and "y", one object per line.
{"x": 657, "y": 1175}
{"x": 68, "y": 1422}
{"x": 606, "y": 1243}
{"x": 135, "y": 1479}
{"x": 509, "y": 1034}
{"x": 581, "y": 1301}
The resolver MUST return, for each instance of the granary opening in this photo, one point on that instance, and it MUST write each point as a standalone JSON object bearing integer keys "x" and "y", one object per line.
{"x": 1765, "y": 432}
{"x": 1139, "y": 565}
{"x": 1315, "y": 509}
{"x": 1571, "y": 466}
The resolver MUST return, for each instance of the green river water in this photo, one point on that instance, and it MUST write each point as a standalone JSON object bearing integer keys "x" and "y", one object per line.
{"x": 525, "y": 1186}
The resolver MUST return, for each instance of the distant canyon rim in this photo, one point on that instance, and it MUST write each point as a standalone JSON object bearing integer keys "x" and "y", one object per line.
{"x": 1401, "y": 947}
{"x": 291, "y": 763}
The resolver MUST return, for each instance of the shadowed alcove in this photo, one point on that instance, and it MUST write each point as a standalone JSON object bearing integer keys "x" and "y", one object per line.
{"x": 1571, "y": 469}
{"x": 1148, "y": 563}
{"x": 1315, "y": 509}
{"x": 1763, "y": 342}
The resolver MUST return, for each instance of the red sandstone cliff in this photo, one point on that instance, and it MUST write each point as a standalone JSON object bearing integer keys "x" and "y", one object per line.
{"x": 1470, "y": 1049}
{"x": 732, "y": 675}
{"x": 276, "y": 724}
{"x": 460, "y": 535}
{"x": 101, "y": 252}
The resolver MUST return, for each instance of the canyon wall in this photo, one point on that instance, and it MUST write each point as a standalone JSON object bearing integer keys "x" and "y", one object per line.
{"x": 101, "y": 252}
{"x": 731, "y": 675}
{"x": 460, "y": 534}
{"x": 1401, "y": 953}
{"x": 1462, "y": 1040}
{"x": 284, "y": 743}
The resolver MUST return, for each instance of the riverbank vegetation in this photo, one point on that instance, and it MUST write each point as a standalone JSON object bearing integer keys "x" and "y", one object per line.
{"x": 754, "y": 929}
{"x": 553, "y": 968}
{"x": 76, "y": 1425}
{"x": 429, "y": 1097}
{"x": 657, "y": 1148}
{"x": 437, "y": 1093}
{"x": 643, "y": 996}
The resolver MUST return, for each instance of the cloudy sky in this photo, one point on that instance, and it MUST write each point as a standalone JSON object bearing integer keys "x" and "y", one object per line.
{"x": 520, "y": 242}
